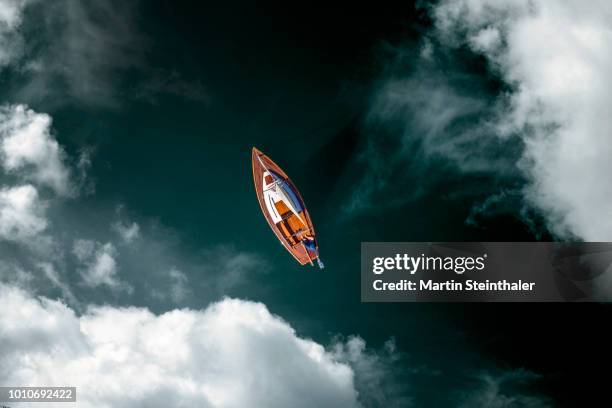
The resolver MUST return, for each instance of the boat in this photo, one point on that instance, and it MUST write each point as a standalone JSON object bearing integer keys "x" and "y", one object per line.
{"x": 284, "y": 209}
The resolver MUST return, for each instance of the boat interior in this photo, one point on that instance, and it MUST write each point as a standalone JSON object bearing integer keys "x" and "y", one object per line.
{"x": 291, "y": 225}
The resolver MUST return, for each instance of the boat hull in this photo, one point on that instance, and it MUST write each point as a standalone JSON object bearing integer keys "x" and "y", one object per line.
{"x": 284, "y": 209}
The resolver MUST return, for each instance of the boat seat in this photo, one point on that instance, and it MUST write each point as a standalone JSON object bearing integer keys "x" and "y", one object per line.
{"x": 300, "y": 231}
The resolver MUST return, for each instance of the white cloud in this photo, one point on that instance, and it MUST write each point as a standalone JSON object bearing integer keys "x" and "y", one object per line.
{"x": 28, "y": 149}
{"x": 15, "y": 275}
{"x": 99, "y": 265}
{"x": 87, "y": 45}
{"x": 377, "y": 377}
{"x": 557, "y": 57}
{"x": 33, "y": 172}
{"x": 53, "y": 276}
{"x": 22, "y": 213}
{"x": 10, "y": 12}
{"x": 236, "y": 266}
{"x": 11, "y": 42}
{"x": 128, "y": 232}
{"x": 421, "y": 125}
{"x": 179, "y": 289}
{"x": 232, "y": 354}
{"x": 486, "y": 40}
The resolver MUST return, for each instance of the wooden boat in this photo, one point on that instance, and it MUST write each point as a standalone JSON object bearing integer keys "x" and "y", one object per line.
{"x": 284, "y": 209}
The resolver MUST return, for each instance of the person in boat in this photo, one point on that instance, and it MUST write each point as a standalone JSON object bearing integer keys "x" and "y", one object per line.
{"x": 309, "y": 243}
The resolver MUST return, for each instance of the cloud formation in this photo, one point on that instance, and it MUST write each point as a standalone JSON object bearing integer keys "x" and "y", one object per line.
{"x": 178, "y": 289}
{"x": 504, "y": 389}
{"x": 22, "y": 214}
{"x": 28, "y": 150}
{"x": 547, "y": 121}
{"x": 52, "y": 245}
{"x": 73, "y": 51}
{"x": 98, "y": 265}
{"x": 11, "y": 41}
{"x": 378, "y": 373}
{"x": 424, "y": 124}
{"x": 34, "y": 177}
{"x": 557, "y": 58}
{"x": 69, "y": 51}
{"x": 234, "y": 353}
{"x": 128, "y": 232}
